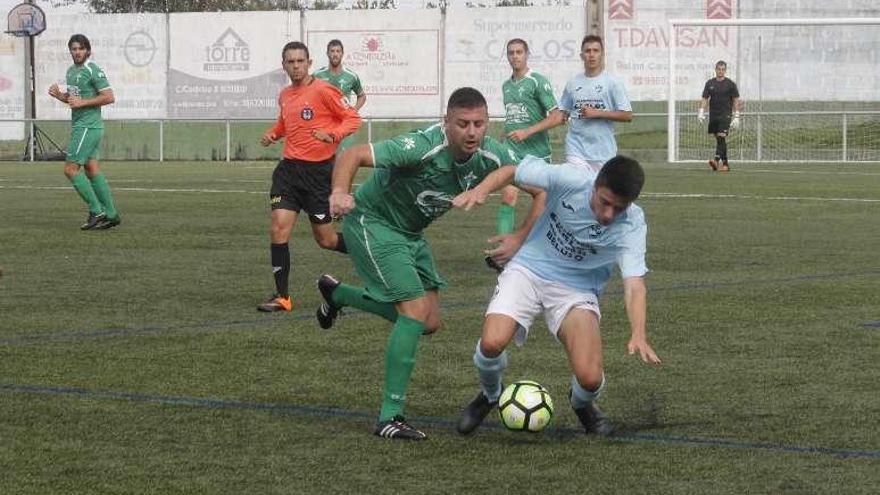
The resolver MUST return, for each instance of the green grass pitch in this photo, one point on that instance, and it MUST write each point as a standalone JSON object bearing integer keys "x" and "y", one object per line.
{"x": 133, "y": 360}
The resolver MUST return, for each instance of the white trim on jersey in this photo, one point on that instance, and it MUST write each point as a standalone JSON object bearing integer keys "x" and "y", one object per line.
{"x": 81, "y": 140}
{"x": 440, "y": 147}
{"x": 490, "y": 155}
{"x": 370, "y": 252}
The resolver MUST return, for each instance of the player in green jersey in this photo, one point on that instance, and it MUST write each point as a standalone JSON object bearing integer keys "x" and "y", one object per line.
{"x": 87, "y": 91}
{"x": 418, "y": 177}
{"x": 530, "y": 111}
{"x": 343, "y": 78}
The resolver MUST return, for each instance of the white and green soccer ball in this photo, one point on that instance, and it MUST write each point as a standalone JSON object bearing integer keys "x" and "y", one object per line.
{"x": 525, "y": 406}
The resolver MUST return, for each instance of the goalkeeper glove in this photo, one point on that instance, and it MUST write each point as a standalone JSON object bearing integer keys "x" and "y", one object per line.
{"x": 734, "y": 124}
{"x": 701, "y": 115}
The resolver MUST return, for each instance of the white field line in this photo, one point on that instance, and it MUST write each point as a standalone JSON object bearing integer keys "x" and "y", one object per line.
{"x": 644, "y": 195}
{"x": 749, "y": 196}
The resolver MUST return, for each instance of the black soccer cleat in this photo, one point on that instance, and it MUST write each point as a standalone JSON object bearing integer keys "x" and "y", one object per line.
{"x": 109, "y": 223}
{"x": 397, "y": 428}
{"x": 594, "y": 420}
{"x": 328, "y": 310}
{"x": 93, "y": 221}
{"x": 474, "y": 413}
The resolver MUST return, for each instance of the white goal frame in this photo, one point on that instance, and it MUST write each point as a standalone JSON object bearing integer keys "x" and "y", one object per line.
{"x": 672, "y": 131}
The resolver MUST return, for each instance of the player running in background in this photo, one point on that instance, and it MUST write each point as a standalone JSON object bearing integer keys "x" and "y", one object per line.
{"x": 530, "y": 111}
{"x": 87, "y": 91}
{"x": 721, "y": 96}
{"x": 589, "y": 225}
{"x": 343, "y": 78}
{"x": 594, "y": 100}
{"x": 418, "y": 177}
{"x": 312, "y": 120}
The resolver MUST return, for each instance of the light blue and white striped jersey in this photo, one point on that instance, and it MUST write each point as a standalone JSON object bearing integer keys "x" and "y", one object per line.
{"x": 592, "y": 139}
{"x": 567, "y": 244}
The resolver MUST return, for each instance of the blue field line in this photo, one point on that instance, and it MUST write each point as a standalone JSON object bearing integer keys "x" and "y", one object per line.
{"x": 444, "y": 423}
{"x": 871, "y": 324}
{"x": 352, "y": 313}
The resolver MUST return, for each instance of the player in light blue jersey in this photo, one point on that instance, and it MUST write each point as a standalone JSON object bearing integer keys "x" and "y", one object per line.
{"x": 593, "y": 101}
{"x": 589, "y": 225}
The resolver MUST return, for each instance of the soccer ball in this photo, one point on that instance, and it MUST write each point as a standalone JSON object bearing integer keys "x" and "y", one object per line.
{"x": 525, "y": 406}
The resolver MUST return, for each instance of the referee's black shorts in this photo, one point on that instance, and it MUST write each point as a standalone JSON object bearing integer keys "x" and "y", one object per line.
{"x": 301, "y": 185}
{"x": 719, "y": 125}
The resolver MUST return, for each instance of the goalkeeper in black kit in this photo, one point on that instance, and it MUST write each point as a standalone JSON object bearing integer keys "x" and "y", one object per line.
{"x": 721, "y": 96}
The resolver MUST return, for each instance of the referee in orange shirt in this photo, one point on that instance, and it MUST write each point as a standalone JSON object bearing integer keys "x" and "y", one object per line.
{"x": 313, "y": 119}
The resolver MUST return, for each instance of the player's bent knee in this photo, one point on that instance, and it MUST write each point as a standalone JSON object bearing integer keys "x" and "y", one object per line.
{"x": 432, "y": 325}
{"x": 327, "y": 242}
{"x": 590, "y": 379}
{"x": 492, "y": 345}
{"x": 508, "y": 196}
{"x": 70, "y": 170}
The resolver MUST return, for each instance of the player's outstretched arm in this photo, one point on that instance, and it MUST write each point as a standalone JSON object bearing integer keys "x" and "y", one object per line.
{"x": 635, "y": 295}
{"x": 555, "y": 118}
{"x": 615, "y": 115}
{"x": 341, "y": 201}
{"x": 508, "y": 244}
{"x": 499, "y": 178}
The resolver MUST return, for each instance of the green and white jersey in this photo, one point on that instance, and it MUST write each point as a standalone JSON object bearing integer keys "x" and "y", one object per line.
{"x": 86, "y": 81}
{"x": 347, "y": 81}
{"x": 416, "y": 178}
{"x": 527, "y": 101}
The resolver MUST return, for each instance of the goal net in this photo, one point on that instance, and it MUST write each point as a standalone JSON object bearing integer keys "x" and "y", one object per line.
{"x": 810, "y": 88}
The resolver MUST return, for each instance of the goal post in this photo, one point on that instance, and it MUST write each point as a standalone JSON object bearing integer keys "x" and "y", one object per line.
{"x": 810, "y": 88}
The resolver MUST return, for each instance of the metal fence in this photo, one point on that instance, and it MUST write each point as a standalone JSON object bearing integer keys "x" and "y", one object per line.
{"x": 828, "y": 136}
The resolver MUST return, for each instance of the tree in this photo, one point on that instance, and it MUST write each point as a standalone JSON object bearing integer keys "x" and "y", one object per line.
{"x": 373, "y": 4}
{"x": 131, "y": 6}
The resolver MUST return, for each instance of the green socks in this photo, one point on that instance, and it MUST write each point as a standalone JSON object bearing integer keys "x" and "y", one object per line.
{"x": 349, "y": 295}
{"x": 505, "y": 220}
{"x": 84, "y": 188}
{"x": 400, "y": 359}
{"x": 102, "y": 191}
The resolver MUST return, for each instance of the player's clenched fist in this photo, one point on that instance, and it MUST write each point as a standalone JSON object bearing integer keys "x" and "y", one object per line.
{"x": 340, "y": 204}
{"x": 268, "y": 139}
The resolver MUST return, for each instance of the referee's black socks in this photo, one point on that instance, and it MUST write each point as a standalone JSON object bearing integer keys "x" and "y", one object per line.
{"x": 281, "y": 267}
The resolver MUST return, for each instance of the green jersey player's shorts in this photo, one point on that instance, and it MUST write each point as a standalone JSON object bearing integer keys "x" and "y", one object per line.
{"x": 394, "y": 265}
{"x": 85, "y": 144}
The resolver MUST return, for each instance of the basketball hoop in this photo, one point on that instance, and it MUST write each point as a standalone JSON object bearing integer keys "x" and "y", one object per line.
{"x": 26, "y": 19}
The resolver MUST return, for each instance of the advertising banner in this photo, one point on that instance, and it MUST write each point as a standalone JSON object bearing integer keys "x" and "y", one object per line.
{"x": 476, "y": 41}
{"x": 638, "y": 38}
{"x": 397, "y": 60}
{"x": 227, "y": 64}
{"x": 130, "y": 48}
{"x": 12, "y": 86}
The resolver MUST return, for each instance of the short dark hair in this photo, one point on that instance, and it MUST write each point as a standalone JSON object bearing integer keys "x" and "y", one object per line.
{"x": 82, "y": 40}
{"x": 333, "y": 43}
{"x": 721, "y": 63}
{"x": 623, "y": 176}
{"x": 520, "y": 41}
{"x": 466, "y": 98}
{"x": 295, "y": 45}
{"x": 592, "y": 38}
